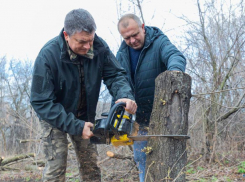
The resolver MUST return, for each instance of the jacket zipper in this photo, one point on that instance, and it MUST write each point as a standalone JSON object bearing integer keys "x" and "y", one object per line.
{"x": 85, "y": 87}
{"x": 139, "y": 61}
{"x": 137, "y": 67}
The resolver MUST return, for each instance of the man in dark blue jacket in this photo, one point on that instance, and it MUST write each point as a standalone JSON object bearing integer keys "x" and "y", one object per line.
{"x": 144, "y": 54}
{"x": 65, "y": 88}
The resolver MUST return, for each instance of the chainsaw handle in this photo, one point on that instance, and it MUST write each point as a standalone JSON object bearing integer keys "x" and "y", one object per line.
{"x": 111, "y": 116}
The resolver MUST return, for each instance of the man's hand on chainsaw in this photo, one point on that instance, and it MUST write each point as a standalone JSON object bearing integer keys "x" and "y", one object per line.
{"x": 87, "y": 133}
{"x": 131, "y": 105}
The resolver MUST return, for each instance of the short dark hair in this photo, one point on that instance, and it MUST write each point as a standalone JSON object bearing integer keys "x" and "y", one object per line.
{"x": 125, "y": 17}
{"x": 79, "y": 20}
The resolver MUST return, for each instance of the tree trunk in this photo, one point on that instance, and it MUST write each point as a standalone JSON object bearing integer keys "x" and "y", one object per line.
{"x": 168, "y": 157}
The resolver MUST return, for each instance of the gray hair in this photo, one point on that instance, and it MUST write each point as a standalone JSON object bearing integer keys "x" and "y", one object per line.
{"x": 79, "y": 20}
{"x": 124, "y": 22}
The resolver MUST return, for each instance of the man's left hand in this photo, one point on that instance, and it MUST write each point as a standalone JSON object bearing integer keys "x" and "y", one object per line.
{"x": 131, "y": 105}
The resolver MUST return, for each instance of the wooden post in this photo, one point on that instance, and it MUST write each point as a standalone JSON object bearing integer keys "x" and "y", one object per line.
{"x": 166, "y": 158}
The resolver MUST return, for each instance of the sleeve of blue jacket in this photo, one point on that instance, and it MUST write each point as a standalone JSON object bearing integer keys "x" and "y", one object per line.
{"x": 42, "y": 100}
{"x": 171, "y": 56}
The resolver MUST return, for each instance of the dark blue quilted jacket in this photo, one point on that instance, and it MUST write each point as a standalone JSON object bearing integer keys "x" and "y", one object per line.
{"x": 157, "y": 56}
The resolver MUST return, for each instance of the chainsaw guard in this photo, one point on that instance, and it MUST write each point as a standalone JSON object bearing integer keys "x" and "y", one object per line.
{"x": 123, "y": 140}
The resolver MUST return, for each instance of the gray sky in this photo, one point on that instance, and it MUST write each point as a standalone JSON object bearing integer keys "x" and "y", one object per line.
{"x": 26, "y": 25}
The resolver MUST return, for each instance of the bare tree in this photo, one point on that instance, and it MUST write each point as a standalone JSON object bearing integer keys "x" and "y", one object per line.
{"x": 2, "y": 100}
{"x": 18, "y": 119}
{"x": 215, "y": 53}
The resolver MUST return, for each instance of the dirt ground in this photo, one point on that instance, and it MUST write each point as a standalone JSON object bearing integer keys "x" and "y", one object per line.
{"x": 118, "y": 170}
{"x": 209, "y": 174}
{"x": 112, "y": 169}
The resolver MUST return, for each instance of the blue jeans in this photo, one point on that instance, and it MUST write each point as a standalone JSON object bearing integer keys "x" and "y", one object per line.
{"x": 139, "y": 156}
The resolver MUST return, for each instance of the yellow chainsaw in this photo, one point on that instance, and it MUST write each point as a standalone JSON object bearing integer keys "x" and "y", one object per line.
{"x": 118, "y": 128}
{"x": 114, "y": 129}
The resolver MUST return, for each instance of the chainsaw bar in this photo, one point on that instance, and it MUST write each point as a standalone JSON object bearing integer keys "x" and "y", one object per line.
{"x": 146, "y": 137}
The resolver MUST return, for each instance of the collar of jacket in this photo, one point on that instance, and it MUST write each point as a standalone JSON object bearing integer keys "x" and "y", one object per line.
{"x": 66, "y": 51}
{"x": 73, "y": 56}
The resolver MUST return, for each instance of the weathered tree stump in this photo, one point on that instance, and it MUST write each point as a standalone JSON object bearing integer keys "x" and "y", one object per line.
{"x": 167, "y": 158}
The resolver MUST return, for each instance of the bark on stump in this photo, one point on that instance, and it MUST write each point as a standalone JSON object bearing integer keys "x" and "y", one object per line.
{"x": 166, "y": 158}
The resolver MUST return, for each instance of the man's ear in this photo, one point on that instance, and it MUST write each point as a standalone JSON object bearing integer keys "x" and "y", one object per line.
{"x": 143, "y": 27}
{"x": 65, "y": 35}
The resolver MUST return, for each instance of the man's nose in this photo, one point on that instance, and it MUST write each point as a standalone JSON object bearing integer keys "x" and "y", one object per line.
{"x": 87, "y": 45}
{"x": 132, "y": 40}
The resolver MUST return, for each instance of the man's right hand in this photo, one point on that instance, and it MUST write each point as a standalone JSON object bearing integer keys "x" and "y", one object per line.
{"x": 131, "y": 105}
{"x": 87, "y": 133}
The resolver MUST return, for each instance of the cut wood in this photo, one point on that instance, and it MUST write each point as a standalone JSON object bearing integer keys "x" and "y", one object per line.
{"x": 6, "y": 168}
{"x": 17, "y": 158}
{"x": 30, "y": 140}
{"x": 1, "y": 159}
{"x": 118, "y": 156}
